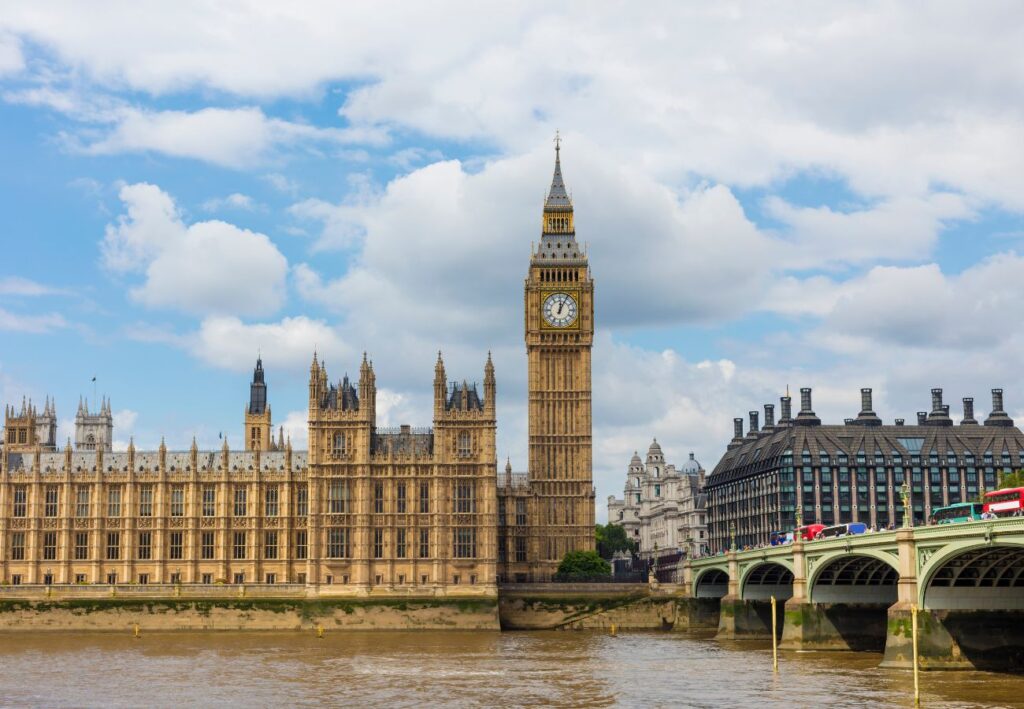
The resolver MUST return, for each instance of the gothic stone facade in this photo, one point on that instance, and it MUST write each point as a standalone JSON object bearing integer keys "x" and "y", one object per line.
{"x": 556, "y": 497}
{"x": 854, "y": 472}
{"x": 365, "y": 510}
{"x": 663, "y": 508}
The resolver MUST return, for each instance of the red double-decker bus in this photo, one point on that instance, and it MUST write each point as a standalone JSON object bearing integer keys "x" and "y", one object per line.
{"x": 1005, "y": 503}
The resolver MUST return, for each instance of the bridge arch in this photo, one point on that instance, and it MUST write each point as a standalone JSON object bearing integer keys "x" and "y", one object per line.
{"x": 762, "y": 580}
{"x": 974, "y": 576}
{"x": 864, "y": 576}
{"x": 711, "y": 582}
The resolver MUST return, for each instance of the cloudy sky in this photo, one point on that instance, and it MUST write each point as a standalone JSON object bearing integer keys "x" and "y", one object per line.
{"x": 802, "y": 194}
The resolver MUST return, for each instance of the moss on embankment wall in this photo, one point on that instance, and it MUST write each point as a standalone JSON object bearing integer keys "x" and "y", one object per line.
{"x": 117, "y": 614}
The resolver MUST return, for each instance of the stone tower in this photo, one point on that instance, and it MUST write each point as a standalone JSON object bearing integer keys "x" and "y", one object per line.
{"x": 28, "y": 428}
{"x": 259, "y": 434}
{"x": 559, "y": 320}
{"x": 94, "y": 431}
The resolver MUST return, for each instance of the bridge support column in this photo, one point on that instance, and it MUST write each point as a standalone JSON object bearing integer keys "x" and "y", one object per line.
{"x": 898, "y": 639}
{"x": 738, "y": 618}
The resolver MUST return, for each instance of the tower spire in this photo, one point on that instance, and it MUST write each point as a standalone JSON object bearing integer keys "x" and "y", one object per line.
{"x": 558, "y": 196}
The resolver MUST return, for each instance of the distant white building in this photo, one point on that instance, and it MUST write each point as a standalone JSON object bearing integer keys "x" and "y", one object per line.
{"x": 94, "y": 430}
{"x": 663, "y": 508}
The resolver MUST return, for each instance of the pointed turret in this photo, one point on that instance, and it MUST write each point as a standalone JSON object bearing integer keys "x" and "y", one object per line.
{"x": 440, "y": 386}
{"x": 558, "y": 231}
{"x": 490, "y": 386}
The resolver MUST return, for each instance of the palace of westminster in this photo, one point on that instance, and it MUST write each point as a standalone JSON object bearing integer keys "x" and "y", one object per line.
{"x": 364, "y": 510}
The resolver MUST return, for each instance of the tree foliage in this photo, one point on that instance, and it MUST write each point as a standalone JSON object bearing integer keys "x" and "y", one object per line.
{"x": 1015, "y": 479}
{"x": 583, "y": 565}
{"x": 612, "y": 538}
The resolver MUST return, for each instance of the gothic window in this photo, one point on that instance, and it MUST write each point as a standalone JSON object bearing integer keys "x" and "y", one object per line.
{"x": 400, "y": 550}
{"x": 424, "y": 498}
{"x": 424, "y": 543}
{"x": 207, "y": 545}
{"x": 209, "y": 501}
{"x": 520, "y": 512}
{"x": 378, "y": 498}
{"x": 337, "y": 543}
{"x": 90, "y": 442}
{"x": 144, "y": 550}
{"x": 338, "y": 445}
{"x": 465, "y": 543}
{"x": 81, "y": 546}
{"x": 146, "y": 501}
{"x": 113, "y": 546}
{"x": 241, "y": 503}
{"x": 400, "y": 498}
{"x": 378, "y": 544}
{"x": 178, "y": 501}
{"x": 239, "y": 546}
{"x": 465, "y": 500}
{"x": 337, "y": 497}
{"x": 50, "y": 546}
{"x": 114, "y": 501}
{"x": 270, "y": 501}
{"x": 82, "y": 501}
{"x": 176, "y": 547}
{"x": 17, "y": 546}
{"x": 465, "y": 445}
{"x": 270, "y": 545}
{"x": 301, "y": 500}
{"x": 20, "y": 501}
{"x": 300, "y": 544}
{"x": 50, "y": 509}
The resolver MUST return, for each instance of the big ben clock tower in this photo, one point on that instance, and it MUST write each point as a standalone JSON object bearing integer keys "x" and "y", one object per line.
{"x": 559, "y": 302}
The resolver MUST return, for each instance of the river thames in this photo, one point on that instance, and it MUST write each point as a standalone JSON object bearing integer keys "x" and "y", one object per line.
{"x": 406, "y": 669}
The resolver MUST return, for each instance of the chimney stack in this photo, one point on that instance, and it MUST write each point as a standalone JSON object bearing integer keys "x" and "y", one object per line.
{"x": 922, "y": 418}
{"x": 769, "y": 416}
{"x": 753, "y": 424}
{"x": 940, "y": 413}
{"x": 737, "y": 433}
{"x": 867, "y": 416}
{"x": 787, "y": 410}
{"x": 848, "y": 422}
{"x": 900, "y": 422}
{"x": 806, "y": 416}
{"x": 969, "y": 412}
{"x": 998, "y": 417}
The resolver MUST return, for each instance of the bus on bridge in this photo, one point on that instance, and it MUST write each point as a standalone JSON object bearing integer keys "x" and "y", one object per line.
{"x": 1005, "y": 503}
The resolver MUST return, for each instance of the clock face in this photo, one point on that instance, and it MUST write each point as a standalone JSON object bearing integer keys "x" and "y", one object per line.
{"x": 560, "y": 310}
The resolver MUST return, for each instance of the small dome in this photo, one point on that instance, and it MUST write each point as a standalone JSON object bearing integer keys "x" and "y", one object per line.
{"x": 655, "y": 448}
{"x": 691, "y": 466}
{"x": 635, "y": 460}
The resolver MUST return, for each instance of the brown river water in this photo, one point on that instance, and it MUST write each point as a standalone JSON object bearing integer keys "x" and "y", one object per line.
{"x": 415, "y": 669}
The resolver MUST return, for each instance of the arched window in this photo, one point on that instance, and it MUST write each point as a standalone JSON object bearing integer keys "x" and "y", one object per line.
{"x": 338, "y": 448}
{"x": 465, "y": 444}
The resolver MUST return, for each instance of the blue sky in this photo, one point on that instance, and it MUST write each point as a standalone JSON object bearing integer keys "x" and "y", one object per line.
{"x": 798, "y": 195}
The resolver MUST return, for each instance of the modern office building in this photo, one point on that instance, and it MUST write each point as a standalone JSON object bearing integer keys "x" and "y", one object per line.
{"x": 853, "y": 472}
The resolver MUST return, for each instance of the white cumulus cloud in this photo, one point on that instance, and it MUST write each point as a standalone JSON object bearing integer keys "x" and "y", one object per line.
{"x": 205, "y": 267}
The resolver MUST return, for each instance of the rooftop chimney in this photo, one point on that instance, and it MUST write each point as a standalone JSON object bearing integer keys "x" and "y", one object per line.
{"x": 769, "y": 416}
{"x": 969, "y": 412}
{"x": 753, "y": 424}
{"x": 922, "y": 418}
{"x": 737, "y": 433}
{"x": 848, "y": 422}
{"x": 787, "y": 410}
{"x": 998, "y": 417}
{"x": 900, "y": 422}
{"x": 939, "y": 415}
{"x": 806, "y": 416}
{"x": 867, "y": 416}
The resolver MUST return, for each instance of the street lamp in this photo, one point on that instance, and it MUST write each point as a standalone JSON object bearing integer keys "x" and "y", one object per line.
{"x": 905, "y": 495}
{"x": 732, "y": 536}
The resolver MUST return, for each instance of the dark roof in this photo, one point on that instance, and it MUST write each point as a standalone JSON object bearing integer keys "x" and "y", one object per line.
{"x": 755, "y": 455}
{"x": 342, "y": 397}
{"x": 464, "y": 398}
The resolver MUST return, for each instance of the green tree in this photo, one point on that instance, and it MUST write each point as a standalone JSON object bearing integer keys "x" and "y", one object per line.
{"x": 583, "y": 565}
{"x": 1011, "y": 479}
{"x": 611, "y": 538}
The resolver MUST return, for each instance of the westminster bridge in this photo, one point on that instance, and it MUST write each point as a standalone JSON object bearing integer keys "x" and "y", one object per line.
{"x": 857, "y": 592}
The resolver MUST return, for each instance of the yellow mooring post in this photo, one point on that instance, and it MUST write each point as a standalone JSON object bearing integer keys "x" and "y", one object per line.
{"x": 319, "y": 631}
{"x": 913, "y": 631}
{"x": 613, "y": 630}
{"x": 775, "y": 640}
{"x": 136, "y": 630}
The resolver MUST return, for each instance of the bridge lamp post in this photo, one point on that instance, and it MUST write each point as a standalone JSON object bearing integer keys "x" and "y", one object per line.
{"x": 905, "y": 495}
{"x": 732, "y": 536}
